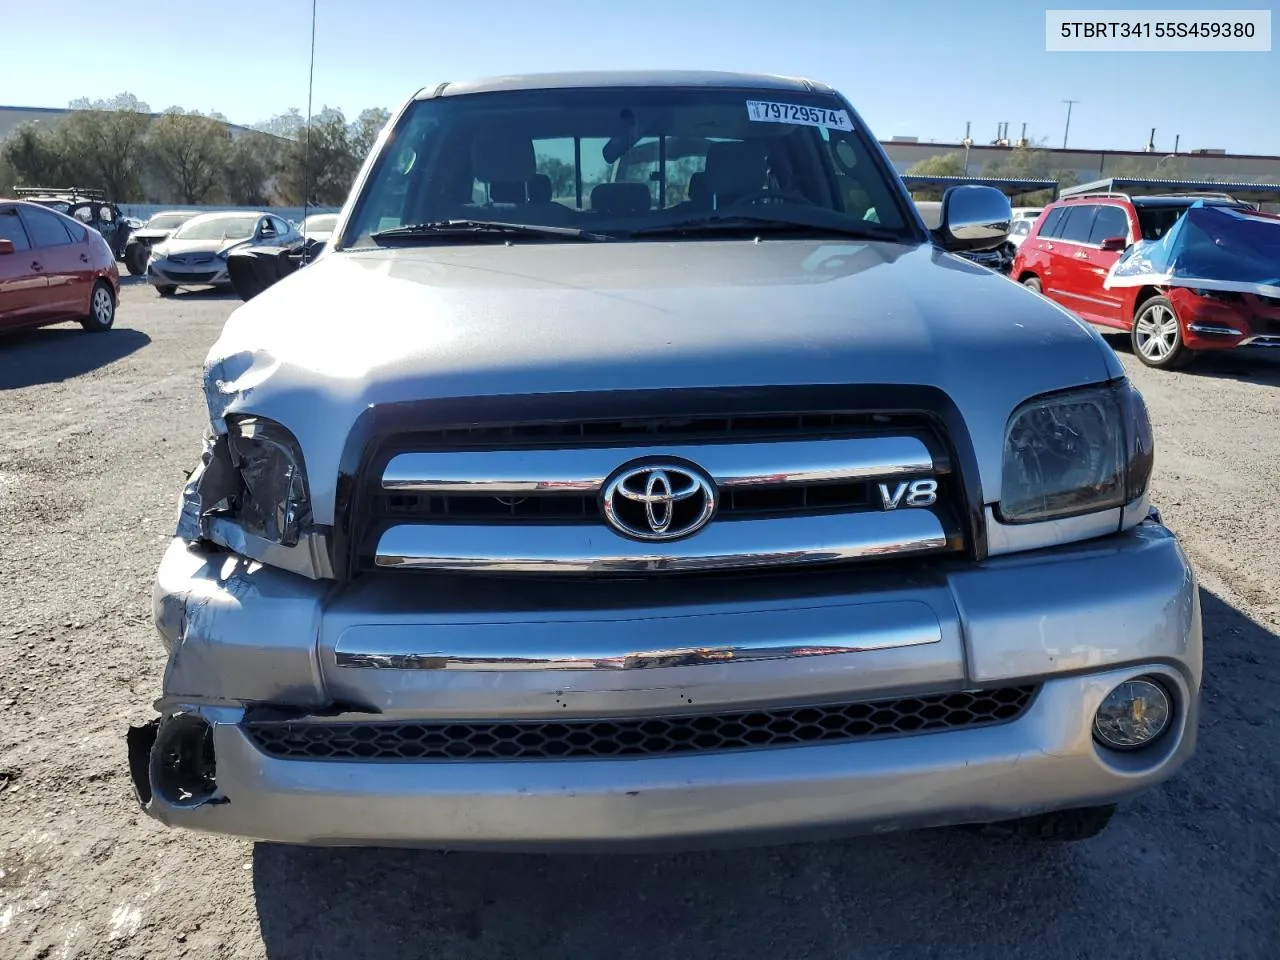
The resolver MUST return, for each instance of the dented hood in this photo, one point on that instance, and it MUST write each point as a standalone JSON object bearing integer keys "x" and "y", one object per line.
{"x": 355, "y": 329}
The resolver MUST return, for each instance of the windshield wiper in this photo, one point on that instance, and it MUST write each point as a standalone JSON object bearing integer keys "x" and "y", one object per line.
{"x": 453, "y": 228}
{"x": 756, "y": 222}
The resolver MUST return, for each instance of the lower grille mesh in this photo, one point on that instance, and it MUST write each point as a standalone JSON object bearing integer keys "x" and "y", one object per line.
{"x": 633, "y": 737}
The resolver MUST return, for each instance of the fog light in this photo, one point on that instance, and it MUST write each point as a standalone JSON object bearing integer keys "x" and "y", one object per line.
{"x": 1134, "y": 714}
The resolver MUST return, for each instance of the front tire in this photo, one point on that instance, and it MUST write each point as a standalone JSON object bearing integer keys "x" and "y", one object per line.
{"x": 135, "y": 259}
{"x": 1033, "y": 284}
{"x": 102, "y": 309}
{"x": 166, "y": 290}
{"x": 1060, "y": 826}
{"x": 1157, "y": 335}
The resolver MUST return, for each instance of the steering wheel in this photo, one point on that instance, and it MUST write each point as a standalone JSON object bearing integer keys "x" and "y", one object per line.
{"x": 774, "y": 196}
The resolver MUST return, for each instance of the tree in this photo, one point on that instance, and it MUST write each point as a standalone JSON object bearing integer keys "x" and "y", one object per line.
{"x": 364, "y": 132}
{"x": 104, "y": 148}
{"x": 252, "y": 160}
{"x": 559, "y": 172}
{"x": 320, "y": 165}
{"x": 189, "y": 151}
{"x": 283, "y": 124}
{"x": 33, "y": 157}
{"x": 1030, "y": 163}
{"x": 938, "y": 165}
{"x": 121, "y": 101}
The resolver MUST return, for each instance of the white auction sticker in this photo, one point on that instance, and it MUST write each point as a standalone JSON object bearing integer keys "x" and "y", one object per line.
{"x": 763, "y": 111}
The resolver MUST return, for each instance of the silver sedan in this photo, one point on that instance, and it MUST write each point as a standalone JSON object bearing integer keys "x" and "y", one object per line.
{"x": 196, "y": 253}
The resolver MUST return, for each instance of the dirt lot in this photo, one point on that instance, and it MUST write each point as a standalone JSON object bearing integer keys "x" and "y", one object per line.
{"x": 95, "y": 435}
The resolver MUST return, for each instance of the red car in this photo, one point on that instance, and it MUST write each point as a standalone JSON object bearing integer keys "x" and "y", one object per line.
{"x": 53, "y": 268}
{"x": 1071, "y": 248}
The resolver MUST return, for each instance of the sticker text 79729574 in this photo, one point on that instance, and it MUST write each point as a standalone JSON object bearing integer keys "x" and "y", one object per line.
{"x": 764, "y": 111}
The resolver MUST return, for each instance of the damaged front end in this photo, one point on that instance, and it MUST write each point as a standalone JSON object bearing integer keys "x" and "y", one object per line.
{"x": 172, "y": 759}
{"x": 249, "y": 494}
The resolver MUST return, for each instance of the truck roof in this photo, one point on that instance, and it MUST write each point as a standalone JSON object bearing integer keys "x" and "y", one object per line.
{"x": 623, "y": 78}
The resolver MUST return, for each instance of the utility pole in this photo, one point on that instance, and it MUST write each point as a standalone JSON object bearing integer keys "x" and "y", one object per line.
{"x": 1066, "y": 131}
{"x": 968, "y": 142}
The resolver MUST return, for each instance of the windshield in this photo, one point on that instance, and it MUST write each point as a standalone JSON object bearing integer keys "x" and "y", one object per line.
{"x": 167, "y": 221}
{"x": 323, "y": 223}
{"x": 217, "y": 228}
{"x": 627, "y": 159}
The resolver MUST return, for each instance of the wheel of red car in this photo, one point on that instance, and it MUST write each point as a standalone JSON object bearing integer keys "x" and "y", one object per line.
{"x": 1032, "y": 283}
{"x": 102, "y": 309}
{"x": 1157, "y": 335}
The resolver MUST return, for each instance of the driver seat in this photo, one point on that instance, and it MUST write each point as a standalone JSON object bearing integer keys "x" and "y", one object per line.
{"x": 734, "y": 170}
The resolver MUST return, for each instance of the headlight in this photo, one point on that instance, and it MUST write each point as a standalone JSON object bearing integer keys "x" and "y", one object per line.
{"x": 1075, "y": 452}
{"x": 273, "y": 501}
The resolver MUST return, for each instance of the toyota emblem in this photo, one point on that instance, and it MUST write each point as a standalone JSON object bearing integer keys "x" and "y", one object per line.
{"x": 658, "y": 500}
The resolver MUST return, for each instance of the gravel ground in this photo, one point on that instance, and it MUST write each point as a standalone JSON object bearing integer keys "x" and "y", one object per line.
{"x": 96, "y": 433}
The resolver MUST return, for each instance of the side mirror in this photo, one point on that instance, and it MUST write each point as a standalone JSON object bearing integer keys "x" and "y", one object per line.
{"x": 1115, "y": 244}
{"x": 973, "y": 218}
{"x": 6, "y": 247}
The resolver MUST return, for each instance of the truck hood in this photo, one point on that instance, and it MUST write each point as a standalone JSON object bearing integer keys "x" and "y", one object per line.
{"x": 361, "y": 328}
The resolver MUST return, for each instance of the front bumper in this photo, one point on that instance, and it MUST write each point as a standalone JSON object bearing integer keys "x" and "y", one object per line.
{"x": 1072, "y": 621}
{"x": 164, "y": 272}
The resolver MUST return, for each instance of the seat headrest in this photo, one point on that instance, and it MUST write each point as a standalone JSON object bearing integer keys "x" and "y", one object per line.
{"x": 625, "y": 197}
{"x": 502, "y": 158}
{"x": 737, "y": 167}
{"x": 698, "y": 191}
{"x": 540, "y": 188}
{"x": 501, "y": 192}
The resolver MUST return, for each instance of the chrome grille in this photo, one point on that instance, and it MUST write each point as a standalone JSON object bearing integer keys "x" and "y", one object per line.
{"x": 637, "y": 737}
{"x": 789, "y": 488}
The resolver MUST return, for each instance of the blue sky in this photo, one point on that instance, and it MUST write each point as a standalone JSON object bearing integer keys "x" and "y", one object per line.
{"x": 913, "y": 67}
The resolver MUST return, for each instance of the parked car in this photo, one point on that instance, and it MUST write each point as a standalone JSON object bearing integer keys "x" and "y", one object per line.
{"x": 195, "y": 254}
{"x": 53, "y": 268}
{"x": 1019, "y": 227}
{"x": 255, "y": 267}
{"x": 158, "y": 228}
{"x": 1074, "y": 244}
{"x": 90, "y": 207}
{"x": 548, "y": 514}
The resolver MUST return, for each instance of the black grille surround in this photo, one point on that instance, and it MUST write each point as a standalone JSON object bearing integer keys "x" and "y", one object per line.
{"x": 650, "y": 417}
{"x": 703, "y": 733}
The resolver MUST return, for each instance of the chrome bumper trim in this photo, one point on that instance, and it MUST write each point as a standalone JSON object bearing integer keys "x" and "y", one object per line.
{"x": 727, "y": 545}
{"x": 619, "y": 644}
{"x": 1214, "y": 330}
{"x": 1262, "y": 340}
{"x": 584, "y": 470}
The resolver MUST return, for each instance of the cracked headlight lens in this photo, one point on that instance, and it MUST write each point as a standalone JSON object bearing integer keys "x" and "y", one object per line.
{"x": 1075, "y": 452}
{"x": 273, "y": 501}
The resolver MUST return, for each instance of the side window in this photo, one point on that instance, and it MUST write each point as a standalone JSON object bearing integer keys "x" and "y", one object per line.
{"x": 77, "y": 231}
{"x": 45, "y": 229}
{"x": 1110, "y": 222}
{"x": 281, "y": 227}
{"x": 106, "y": 215}
{"x": 1078, "y": 223}
{"x": 11, "y": 229}
{"x": 1052, "y": 223}
{"x": 265, "y": 227}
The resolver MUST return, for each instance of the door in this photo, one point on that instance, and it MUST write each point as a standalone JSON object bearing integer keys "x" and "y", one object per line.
{"x": 1037, "y": 250}
{"x": 1111, "y": 223}
{"x": 68, "y": 268}
{"x": 22, "y": 281}
{"x": 1070, "y": 256}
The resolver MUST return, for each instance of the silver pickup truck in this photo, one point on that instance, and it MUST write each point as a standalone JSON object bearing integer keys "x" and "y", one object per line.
{"x": 552, "y": 510}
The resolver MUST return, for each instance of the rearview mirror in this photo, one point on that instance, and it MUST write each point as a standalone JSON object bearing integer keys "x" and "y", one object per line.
{"x": 973, "y": 218}
{"x": 1115, "y": 244}
{"x": 6, "y": 247}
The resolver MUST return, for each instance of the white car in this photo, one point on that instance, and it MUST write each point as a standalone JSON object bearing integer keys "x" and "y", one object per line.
{"x": 1020, "y": 225}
